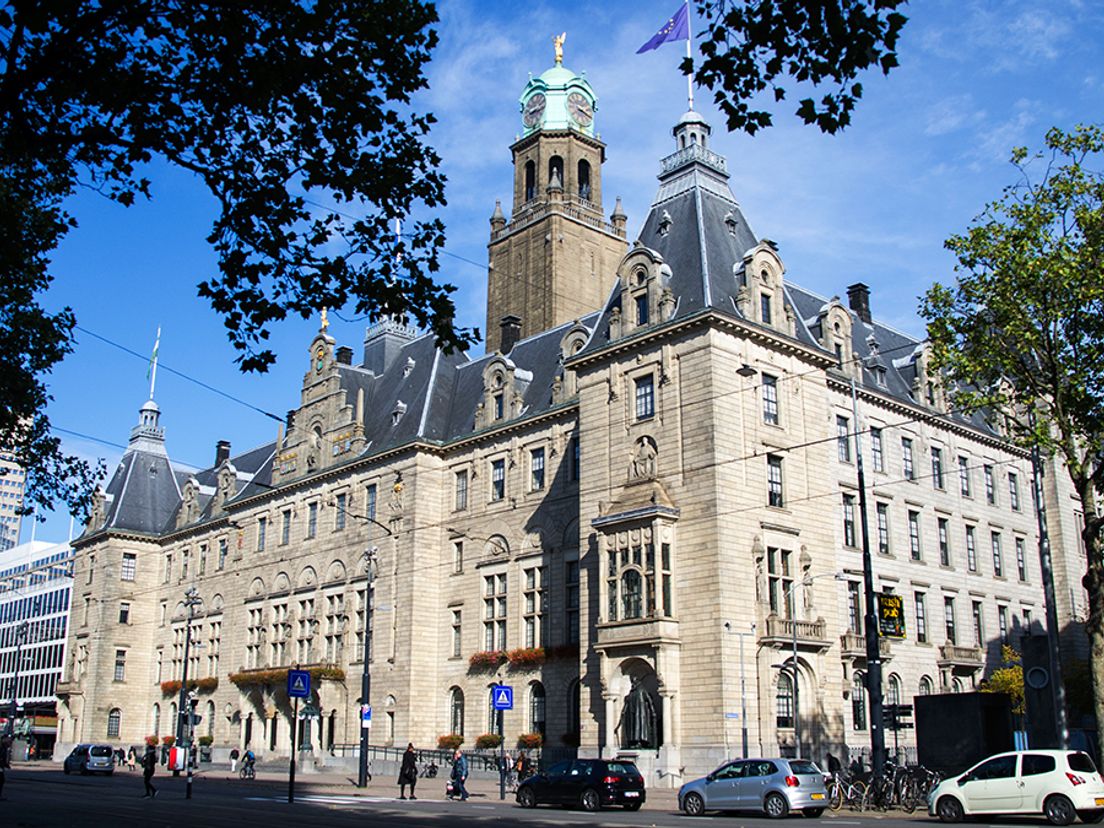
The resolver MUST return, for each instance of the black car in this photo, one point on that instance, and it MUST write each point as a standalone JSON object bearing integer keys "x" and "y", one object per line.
{"x": 588, "y": 783}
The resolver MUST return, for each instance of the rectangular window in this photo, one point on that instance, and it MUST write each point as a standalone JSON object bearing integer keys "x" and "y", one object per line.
{"x": 312, "y": 520}
{"x": 1027, "y": 620}
{"x": 645, "y": 397}
{"x": 990, "y": 489}
{"x": 1021, "y": 558}
{"x": 882, "y": 510}
{"x": 124, "y": 612}
{"x": 780, "y": 581}
{"x": 949, "y": 618}
{"x": 457, "y": 636}
{"x": 914, "y": 534}
{"x": 854, "y": 608}
{"x": 575, "y": 459}
{"x": 184, "y": 559}
{"x": 285, "y": 529}
{"x": 339, "y": 514}
{"x": 168, "y": 567}
{"x": 642, "y": 309}
{"x": 262, "y": 531}
{"x": 130, "y": 566}
{"x": 498, "y": 479}
{"x": 499, "y": 403}
{"x": 536, "y": 469}
{"x": 765, "y": 308}
{"x": 494, "y": 612}
{"x": 460, "y": 487}
{"x": 458, "y": 556}
{"x": 120, "y": 665}
{"x": 979, "y": 625}
{"x": 224, "y": 550}
{"x": 370, "y": 501}
{"x": 571, "y": 602}
{"x": 202, "y": 558}
{"x": 944, "y": 543}
{"x": 1014, "y": 491}
{"x": 770, "y": 399}
{"x": 937, "y": 467}
{"x": 921, "y": 617}
{"x": 971, "y": 549}
{"x": 843, "y": 439}
{"x": 964, "y": 475}
{"x": 534, "y": 602}
{"x": 774, "y": 480}
{"x": 876, "y": 449}
{"x": 906, "y": 459}
{"x": 998, "y": 557}
{"x": 1002, "y": 624}
{"x": 848, "y": 520}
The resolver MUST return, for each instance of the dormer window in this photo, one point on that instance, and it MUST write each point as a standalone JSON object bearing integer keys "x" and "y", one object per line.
{"x": 765, "y": 308}
{"x": 642, "y": 309}
{"x": 499, "y": 406}
{"x": 397, "y": 413}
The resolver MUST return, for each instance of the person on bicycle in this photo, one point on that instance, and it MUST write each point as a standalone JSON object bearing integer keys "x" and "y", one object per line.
{"x": 249, "y": 762}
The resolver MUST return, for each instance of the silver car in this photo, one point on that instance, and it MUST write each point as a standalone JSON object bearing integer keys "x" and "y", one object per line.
{"x": 774, "y": 786}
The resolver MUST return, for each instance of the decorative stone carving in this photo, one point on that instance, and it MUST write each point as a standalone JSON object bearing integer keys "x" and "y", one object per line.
{"x": 643, "y": 465}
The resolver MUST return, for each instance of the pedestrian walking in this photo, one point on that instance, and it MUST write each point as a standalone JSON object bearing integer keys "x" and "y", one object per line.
{"x": 5, "y": 760}
{"x": 408, "y": 773}
{"x": 234, "y": 760}
{"x": 132, "y": 758}
{"x": 149, "y": 764}
{"x": 460, "y": 774}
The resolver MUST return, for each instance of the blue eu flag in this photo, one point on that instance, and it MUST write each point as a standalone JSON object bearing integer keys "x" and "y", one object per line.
{"x": 676, "y": 28}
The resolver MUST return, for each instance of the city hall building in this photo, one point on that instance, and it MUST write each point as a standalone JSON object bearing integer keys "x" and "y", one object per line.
{"x": 636, "y": 508}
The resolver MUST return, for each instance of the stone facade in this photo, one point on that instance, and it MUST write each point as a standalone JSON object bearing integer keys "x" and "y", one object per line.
{"x": 631, "y": 515}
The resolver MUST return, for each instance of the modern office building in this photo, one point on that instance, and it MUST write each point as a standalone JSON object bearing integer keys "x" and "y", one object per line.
{"x": 12, "y": 478}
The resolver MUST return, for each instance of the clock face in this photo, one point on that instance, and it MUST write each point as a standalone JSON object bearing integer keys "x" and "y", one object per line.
{"x": 534, "y": 109}
{"x": 580, "y": 109}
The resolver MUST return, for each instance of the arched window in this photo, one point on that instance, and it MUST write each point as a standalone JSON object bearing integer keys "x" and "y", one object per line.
{"x": 956, "y": 685}
{"x": 858, "y": 702}
{"x": 631, "y": 597}
{"x": 555, "y": 171}
{"x": 156, "y": 720}
{"x": 536, "y": 708}
{"x": 174, "y": 719}
{"x": 926, "y": 687}
{"x": 784, "y": 701}
{"x": 114, "y": 718}
{"x": 211, "y": 719}
{"x": 584, "y": 180}
{"x": 893, "y": 689}
{"x": 456, "y": 711}
{"x": 530, "y": 180}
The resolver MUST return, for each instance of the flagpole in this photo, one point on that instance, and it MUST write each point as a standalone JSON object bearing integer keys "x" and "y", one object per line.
{"x": 153, "y": 362}
{"x": 689, "y": 55}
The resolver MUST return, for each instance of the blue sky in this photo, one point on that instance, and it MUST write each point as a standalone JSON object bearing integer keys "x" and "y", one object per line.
{"x": 928, "y": 148}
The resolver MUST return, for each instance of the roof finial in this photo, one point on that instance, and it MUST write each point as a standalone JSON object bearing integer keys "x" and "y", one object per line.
{"x": 557, "y": 43}
{"x": 325, "y": 321}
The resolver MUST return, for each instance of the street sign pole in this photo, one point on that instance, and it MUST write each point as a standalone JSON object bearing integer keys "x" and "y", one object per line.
{"x": 291, "y": 766}
{"x": 298, "y": 687}
{"x": 501, "y": 755}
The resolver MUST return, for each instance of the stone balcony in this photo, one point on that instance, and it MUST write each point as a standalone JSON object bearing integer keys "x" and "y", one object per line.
{"x": 968, "y": 658}
{"x": 853, "y": 646}
{"x": 779, "y": 632}
{"x": 613, "y": 634}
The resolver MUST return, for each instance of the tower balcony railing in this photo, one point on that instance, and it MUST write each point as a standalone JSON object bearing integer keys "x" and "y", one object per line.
{"x": 695, "y": 152}
{"x": 574, "y": 207}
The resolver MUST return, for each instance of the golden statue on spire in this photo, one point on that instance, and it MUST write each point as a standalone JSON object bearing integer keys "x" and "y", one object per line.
{"x": 557, "y": 43}
{"x": 325, "y": 321}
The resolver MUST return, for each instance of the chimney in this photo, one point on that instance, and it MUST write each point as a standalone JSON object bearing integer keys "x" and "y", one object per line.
{"x": 511, "y": 333}
{"x": 222, "y": 452}
{"x": 858, "y": 297}
{"x": 345, "y": 355}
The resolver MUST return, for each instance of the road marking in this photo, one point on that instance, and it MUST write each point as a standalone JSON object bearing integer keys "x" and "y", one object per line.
{"x": 844, "y": 821}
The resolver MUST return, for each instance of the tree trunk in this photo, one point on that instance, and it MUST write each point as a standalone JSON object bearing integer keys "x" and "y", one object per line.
{"x": 1094, "y": 585}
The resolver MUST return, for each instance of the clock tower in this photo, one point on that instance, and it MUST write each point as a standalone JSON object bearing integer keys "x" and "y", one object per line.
{"x": 554, "y": 259}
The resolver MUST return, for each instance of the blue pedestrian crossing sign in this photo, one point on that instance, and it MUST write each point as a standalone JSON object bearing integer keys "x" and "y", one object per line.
{"x": 298, "y": 684}
{"x": 503, "y": 697}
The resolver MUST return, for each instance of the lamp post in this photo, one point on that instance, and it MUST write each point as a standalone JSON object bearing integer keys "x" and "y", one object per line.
{"x": 20, "y": 637}
{"x": 184, "y": 717}
{"x": 870, "y": 619}
{"x": 743, "y": 690}
{"x": 366, "y": 674}
{"x": 804, "y": 582}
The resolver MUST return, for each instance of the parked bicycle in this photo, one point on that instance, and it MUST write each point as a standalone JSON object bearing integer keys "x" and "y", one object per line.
{"x": 843, "y": 790}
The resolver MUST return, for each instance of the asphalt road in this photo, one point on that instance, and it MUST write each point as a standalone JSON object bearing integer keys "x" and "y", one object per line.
{"x": 43, "y": 796}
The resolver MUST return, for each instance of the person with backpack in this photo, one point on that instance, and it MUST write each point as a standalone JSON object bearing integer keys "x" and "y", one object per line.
{"x": 149, "y": 765}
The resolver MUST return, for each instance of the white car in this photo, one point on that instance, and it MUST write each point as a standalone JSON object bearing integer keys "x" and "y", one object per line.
{"x": 1060, "y": 784}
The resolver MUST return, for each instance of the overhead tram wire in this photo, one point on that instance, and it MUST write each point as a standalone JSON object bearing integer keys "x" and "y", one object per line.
{"x": 182, "y": 375}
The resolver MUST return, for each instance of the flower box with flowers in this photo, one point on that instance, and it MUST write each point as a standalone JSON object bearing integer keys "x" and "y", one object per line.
{"x": 486, "y": 659}
{"x": 526, "y": 657}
